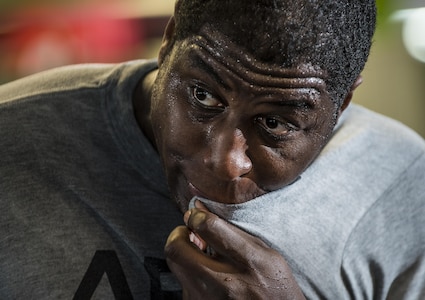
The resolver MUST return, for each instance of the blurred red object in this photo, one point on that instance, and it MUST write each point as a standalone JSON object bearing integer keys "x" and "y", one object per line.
{"x": 40, "y": 39}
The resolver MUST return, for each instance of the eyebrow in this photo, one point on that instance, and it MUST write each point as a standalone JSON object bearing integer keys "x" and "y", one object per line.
{"x": 296, "y": 98}
{"x": 299, "y": 101}
{"x": 200, "y": 63}
{"x": 297, "y": 92}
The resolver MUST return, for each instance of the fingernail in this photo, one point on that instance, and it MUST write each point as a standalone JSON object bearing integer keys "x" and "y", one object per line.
{"x": 199, "y": 204}
{"x": 196, "y": 240}
{"x": 192, "y": 237}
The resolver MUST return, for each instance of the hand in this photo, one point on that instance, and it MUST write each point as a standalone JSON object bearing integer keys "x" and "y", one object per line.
{"x": 241, "y": 266}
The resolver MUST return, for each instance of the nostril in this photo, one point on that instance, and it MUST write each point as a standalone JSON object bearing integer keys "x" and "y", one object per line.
{"x": 227, "y": 156}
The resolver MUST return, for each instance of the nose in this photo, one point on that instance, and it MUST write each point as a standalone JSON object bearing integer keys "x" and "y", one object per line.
{"x": 227, "y": 157}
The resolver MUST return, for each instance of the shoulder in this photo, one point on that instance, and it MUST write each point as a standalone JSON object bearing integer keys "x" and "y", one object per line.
{"x": 382, "y": 154}
{"x": 373, "y": 143}
{"x": 387, "y": 163}
{"x": 71, "y": 78}
{"x": 385, "y": 251}
{"x": 361, "y": 124}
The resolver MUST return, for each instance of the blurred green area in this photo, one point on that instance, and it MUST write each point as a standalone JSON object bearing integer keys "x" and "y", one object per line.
{"x": 393, "y": 81}
{"x": 385, "y": 7}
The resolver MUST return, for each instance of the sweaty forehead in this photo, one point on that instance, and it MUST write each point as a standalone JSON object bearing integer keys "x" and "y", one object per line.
{"x": 217, "y": 51}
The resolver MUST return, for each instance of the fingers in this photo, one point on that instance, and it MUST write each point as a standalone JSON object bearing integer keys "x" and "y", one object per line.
{"x": 195, "y": 238}
{"x": 198, "y": 241}
{"x": 199, "y": 205}
{"x": 243, "y": 266}
{"x": 182, "y": 254}
{"x": 200, "y": 275}
{"x": 225, "y": 238}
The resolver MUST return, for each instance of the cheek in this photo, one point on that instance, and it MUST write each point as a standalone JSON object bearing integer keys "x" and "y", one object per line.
{"x": 177, "y": 137}
{"x": 272, "y": 169}
{"x": 276, "y": 168}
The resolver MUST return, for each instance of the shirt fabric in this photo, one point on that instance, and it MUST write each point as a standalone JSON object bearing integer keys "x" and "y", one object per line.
{"x": 86, "y": 209}
{"x": 353, "y": 225}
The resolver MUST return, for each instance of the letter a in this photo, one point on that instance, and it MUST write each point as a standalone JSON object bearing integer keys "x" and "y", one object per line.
{"x": 105, "y": 261}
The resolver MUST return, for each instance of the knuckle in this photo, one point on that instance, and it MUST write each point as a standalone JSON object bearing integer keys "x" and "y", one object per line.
{"x": 255, "y": 260}
{"x": 227, "y": 289}
{"x": 212, "y": 222}
{"x": 171, "y": 248}
{"x": 276, "y": 258}
{"x": 235, "y": 292}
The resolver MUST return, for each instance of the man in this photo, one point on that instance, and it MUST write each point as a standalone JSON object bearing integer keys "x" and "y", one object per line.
{"x": 247, "y": 108}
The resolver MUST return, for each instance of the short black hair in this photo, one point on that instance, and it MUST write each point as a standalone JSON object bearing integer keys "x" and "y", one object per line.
{"x": 335, "y": 35}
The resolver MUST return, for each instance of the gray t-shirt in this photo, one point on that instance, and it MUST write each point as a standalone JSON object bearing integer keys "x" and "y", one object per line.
{"x": 84, "y": 202}
{"x": 85, "y": 206}
{"x": 353, "y": 225}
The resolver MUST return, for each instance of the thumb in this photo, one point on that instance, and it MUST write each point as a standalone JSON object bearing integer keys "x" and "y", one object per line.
{"x": 194, "y": 237}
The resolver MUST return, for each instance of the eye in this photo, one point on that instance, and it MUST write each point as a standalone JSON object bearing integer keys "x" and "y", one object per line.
{"x": 275, "y": 127}
{"x": 205, "y": 98}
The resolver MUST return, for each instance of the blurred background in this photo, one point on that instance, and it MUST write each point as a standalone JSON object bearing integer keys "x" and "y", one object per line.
{"x": 394, "y": 79}
{"x": 41, "y": 34}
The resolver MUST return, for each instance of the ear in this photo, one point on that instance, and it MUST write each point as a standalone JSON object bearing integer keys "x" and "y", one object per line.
{"x": 167, "y": 40}
{"x": 350, "y": 94}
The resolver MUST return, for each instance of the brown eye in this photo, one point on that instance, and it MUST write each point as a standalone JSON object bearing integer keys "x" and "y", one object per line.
{"x": 274, "y": 126}
{"x": 200, "y": 94}
{"x": 271, "y": 123}
{"x": 204, "y": 97}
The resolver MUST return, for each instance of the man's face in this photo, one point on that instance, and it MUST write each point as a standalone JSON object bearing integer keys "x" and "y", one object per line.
{"x": 230, "y": 128}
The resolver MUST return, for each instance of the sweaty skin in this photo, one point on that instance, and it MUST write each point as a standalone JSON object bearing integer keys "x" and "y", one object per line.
{"x": 261, "y": 273}
{"x": 230, "y": 128}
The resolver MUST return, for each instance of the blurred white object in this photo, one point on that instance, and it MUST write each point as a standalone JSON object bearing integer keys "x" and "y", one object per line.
{"x": 413, "y": 31}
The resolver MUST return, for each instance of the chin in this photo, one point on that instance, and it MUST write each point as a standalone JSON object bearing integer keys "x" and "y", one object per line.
{"x": 182, "y": 203}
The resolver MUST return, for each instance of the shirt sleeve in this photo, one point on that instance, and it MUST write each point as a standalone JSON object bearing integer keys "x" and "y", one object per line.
{"x": 385, "y": 255}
